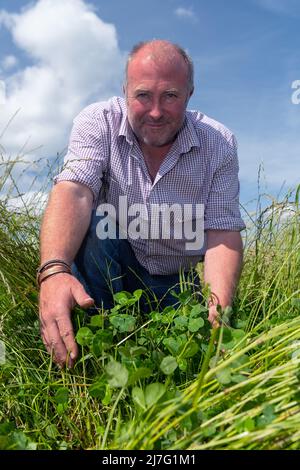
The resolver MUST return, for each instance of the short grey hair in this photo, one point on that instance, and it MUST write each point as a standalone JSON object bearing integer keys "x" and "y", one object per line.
{"x": 187, "y": 59}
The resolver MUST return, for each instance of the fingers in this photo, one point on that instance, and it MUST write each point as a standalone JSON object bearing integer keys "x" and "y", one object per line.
{"x": 45, "y": 338}
{"x": 81, "y": 298}
{"x": 58, "y": 337}
{"x": 58, "y": 295}
{"x": 55, "y": 344}
{"x": 70, "y": 348}
{"x": 213, "y": 316}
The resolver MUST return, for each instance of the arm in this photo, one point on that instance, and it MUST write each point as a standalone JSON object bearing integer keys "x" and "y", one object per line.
{"x": 64, "y": 225}
{"x": 222, "y": 267}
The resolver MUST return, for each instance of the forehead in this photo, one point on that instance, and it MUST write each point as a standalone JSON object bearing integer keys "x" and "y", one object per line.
{"x": 147, "y": 66}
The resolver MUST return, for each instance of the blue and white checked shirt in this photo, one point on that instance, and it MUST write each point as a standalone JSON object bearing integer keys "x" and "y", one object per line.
{"x": 200, "y": 168}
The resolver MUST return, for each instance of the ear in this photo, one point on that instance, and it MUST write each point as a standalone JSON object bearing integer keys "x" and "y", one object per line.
{"x": 189, "y": 95}
{"x": 124, "y": 89}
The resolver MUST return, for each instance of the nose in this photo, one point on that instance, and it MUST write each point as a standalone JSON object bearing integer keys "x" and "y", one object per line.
{"x": 156, "y": 110}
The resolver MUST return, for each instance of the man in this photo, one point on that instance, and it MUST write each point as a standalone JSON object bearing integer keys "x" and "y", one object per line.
{"x": 146, "y": 150}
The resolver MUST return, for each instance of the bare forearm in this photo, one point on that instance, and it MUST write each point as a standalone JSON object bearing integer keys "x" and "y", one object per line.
{"x": 66, "y": 221}
{"x": 223, "y": 263}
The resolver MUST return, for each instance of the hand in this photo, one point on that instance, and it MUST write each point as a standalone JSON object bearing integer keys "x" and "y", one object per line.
{"x": 213, "y": 315}
{"x": 58, "y": 296}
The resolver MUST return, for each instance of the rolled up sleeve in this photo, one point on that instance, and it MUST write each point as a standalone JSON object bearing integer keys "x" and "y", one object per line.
{"x": 85, "y": 161}
{"x": 222, "y": 208}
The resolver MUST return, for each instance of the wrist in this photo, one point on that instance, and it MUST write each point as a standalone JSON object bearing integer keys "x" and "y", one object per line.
{"x": 51, "y": 262}
{"x": 47, "y": 275}
{"x": 50, "y": 268}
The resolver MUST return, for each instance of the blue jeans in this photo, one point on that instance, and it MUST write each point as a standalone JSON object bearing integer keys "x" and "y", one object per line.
{"x": 105, "y": 267}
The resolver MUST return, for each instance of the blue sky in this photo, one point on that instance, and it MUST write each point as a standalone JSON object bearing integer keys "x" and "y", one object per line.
{"x": 56, "y": 56}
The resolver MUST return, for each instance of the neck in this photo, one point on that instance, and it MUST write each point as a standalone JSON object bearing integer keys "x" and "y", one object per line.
{"x": 157, "y": 153}
{"x": 154, "y": 156}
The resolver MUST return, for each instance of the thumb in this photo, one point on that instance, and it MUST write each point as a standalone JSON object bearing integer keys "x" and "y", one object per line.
{"x": 213, "y": 316}
{"x": 81, "y": 297}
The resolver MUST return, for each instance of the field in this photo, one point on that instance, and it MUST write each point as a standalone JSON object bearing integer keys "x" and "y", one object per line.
{"x": 164, "y": 380}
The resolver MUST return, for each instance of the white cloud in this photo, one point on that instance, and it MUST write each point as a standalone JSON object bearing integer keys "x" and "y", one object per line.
{"x": 279, "y": 158}
{"x": 75, "y": 59}
{"x": 185, "y": 13}
{"x": 32, "y": 201}
{"x": 2, "y": 93}
{"x": 9, "y": 62}
{"x": 288, "y": 7}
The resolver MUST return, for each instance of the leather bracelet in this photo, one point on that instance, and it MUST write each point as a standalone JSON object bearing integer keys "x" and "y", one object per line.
{"x": 50, "y": 266}
{"x": 50, "y": 272}
{"x": 52, "y": 262}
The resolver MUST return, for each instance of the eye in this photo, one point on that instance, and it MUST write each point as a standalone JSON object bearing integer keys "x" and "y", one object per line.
{"x": 142, "y": 96}
{"x": 170, "y": 96}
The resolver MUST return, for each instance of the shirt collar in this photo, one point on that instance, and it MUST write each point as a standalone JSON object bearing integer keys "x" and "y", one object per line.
{"x": 187, "y": 136}
{"x": 125, "y": 128}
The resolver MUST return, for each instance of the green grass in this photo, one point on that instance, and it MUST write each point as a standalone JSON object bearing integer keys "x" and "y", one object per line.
{"x": 158, "y": 381}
